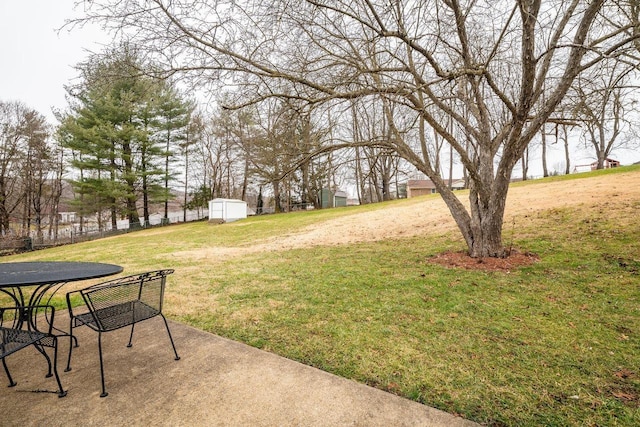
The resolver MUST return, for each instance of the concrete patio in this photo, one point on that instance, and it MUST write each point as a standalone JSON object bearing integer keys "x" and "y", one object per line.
{"x": 217, "y": 382}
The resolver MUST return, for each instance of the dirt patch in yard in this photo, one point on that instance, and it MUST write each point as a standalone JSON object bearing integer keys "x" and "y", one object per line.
{"x": 431, "y": 216}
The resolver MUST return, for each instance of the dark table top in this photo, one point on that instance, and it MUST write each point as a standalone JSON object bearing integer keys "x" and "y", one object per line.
{"x": 14, "y": 274}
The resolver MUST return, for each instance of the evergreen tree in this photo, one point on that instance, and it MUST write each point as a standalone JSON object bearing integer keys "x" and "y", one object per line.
{"x": 118, "y": 129}
{"x": 173, "y": 113}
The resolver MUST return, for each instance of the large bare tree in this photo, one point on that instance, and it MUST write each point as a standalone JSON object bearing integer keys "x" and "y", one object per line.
{"x": 26, "y": 163}
{"x": 11, "y": 154}
{"x": 496, "y": 69}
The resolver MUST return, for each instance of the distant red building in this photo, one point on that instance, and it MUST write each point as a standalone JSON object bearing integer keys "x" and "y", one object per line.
{"x": 608, "y": 163}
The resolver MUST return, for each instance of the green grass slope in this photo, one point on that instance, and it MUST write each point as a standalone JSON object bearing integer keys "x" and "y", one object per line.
{"x": 554, "y": 343}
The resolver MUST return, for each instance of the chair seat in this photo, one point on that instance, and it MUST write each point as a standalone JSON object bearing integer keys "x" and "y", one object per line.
{"x": 16, "y": 339}
{"x": 116, "y": 316}
{"x": 16, "y": 334}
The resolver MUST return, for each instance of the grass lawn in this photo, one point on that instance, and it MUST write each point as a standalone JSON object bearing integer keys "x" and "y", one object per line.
{"x": 554, "y": 343}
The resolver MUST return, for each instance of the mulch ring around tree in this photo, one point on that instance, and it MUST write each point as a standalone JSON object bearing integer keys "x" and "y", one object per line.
{"x": 516, "y": 259}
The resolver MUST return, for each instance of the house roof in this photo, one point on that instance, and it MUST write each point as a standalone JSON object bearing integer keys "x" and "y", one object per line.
{"x": 608, "y": 160}
{"x": 428, "y": 184}
{"x": 420, "y": 183}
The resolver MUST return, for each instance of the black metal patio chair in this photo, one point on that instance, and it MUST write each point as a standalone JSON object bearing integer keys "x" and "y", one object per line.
{"x": 21, "y": 327}
{"x": 116, "y": 304}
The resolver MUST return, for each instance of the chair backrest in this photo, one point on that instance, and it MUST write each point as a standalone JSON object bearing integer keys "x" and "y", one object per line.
{"x": 126, "y": 300}
{"x": 10, "y": 317}
{"x": 35, "y": 317}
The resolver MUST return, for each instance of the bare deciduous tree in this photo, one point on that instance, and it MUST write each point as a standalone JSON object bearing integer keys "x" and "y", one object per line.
{"x": 376, "y": 166}
{"x": 602, "y": 103}
{"x": 10, "y": 154}
{"x": 26, "y": 163}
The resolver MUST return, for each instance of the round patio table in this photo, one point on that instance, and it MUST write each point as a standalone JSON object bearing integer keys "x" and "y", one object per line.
{"x": 45, "y": 275}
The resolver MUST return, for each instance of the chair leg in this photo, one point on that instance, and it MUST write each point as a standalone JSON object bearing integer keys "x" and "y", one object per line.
{"x": 71, "y": 339}
{"x": 104, "y": 391}
{"x": 131, "y": 336}
{"x": 6, "y": 369}
{"x": 46, "y": 356}
{"x": 61, "y": 391}
{"x": 166, "y": 324}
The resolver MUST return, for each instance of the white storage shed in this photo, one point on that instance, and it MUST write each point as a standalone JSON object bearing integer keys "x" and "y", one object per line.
{"x": 227, "y": 210}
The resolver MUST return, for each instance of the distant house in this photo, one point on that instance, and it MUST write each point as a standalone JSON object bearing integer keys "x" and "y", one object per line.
{"x": 420, "y": 187}
{"x": 608, "y": 164}
{"x": 67, "y": 217}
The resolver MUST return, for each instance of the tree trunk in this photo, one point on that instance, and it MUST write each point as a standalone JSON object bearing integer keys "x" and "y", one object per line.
{"x": 567, "y": 158}
{"x": 276, "y": 196}
{"x": 485, "y": 239}
{"x": 305, "y": 185}
{"x": 545, "y": 171}
{"x": 166, "y": 173}
{"x": 451, "y": 168}
{"x": 259, "y": 202}
{"x": 114, "y": 214}
{"x": 186, "y": 182}
{"x": 245, "y": 179}
{"x": 145, "y": 202}
{"x": 131, "y": 197}
{"x": 481, "y": 226}
{"x": 386, "y": 185}
{"x": 4, "y": 214}
{"x": 360, "y": 187}
{"x": 525, "y": 164}
{"x": 134, "y": 218}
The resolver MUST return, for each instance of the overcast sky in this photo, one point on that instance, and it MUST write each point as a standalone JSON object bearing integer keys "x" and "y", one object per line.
{"x": 36, "y": 61}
